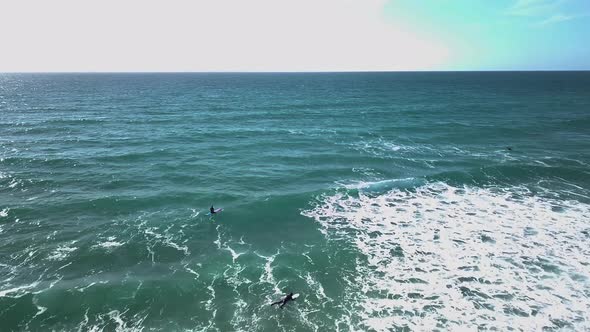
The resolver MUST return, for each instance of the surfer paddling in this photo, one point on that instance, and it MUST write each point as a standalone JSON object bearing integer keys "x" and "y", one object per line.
{"x": 212, "y": 210}
{"x": 284, "y": 301}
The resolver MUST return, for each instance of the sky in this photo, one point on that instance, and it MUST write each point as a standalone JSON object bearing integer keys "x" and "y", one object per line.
{"x": 293, "y": 35}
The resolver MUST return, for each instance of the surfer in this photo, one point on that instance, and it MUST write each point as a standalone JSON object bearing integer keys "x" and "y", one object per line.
{"x": 212, "y": 210}
{"x": 284, "y": 301}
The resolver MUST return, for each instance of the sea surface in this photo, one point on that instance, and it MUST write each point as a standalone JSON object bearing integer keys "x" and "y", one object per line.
{"x": 389, "y": 201}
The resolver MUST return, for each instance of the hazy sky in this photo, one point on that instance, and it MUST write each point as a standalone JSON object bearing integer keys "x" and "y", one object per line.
{"x": 293, "y": 35}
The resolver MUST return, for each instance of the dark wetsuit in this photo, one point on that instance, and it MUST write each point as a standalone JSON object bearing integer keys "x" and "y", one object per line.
{"x": 284, "y": 301}
{"x": 212, "y": 210}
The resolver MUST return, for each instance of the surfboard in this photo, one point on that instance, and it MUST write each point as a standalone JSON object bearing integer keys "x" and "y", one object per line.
{"x": 296, "y": 295}
{"x": 216, "y": 211}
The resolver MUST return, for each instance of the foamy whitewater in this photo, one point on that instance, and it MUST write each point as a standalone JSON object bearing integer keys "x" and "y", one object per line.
{"x": 388, "y": 201}
{"x": 446, "y": 257}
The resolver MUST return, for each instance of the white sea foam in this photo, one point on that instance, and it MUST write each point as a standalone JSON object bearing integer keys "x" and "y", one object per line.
{"x": 468, "y": 258}
{"x": 83, "y": 325}
{"x": 109, "y": 244}
{"x": 64, "y": 266}
{"x": 122, "y": 322}
{"x": 383, "y": 148}
{"x": 13, "y": 183}
{"x": 368, "y": 185}
{"x": 234, "y": 255}
{"x": 191, "y": 271}
{"x": 133, "y": 324}
{"x": 217, "y": 242}
{"x": 295, "y": 132}
{"x": 61, "y": 252}
{"x": 82, "y": 289}
{"x": 211, "y": 290}
{"x": 267, "y": 275}
{"x": 195, "y": 213}
{"x": 314, "y": 284}
{"x": 4, "y": 212}
{"x": 17, "y": 291}
{"x": 231, "y": 275}
{"x": 40, "y": 309}
{"x": 168, "y": 241}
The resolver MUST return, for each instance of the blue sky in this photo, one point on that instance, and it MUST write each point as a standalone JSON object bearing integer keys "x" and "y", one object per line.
{"x": 503, "y": 34}
{"x": 294, "y": 35}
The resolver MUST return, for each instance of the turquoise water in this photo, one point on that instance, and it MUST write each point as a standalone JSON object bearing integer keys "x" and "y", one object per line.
{"x": 389, "y": 201}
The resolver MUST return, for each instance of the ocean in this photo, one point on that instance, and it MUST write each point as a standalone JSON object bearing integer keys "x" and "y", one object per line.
{"x": 388, "y": 201}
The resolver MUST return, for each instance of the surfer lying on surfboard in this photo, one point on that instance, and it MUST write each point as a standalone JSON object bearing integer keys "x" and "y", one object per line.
{"x": 284, "y": 301}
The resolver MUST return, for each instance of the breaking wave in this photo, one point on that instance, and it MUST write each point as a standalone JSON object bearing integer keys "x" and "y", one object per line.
{"x": 440, "y": 256}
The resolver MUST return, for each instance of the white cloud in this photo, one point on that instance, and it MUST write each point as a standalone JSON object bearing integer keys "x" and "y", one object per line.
{"x": 546, "y": 11}
{"x": 533, "y": 7}
{"x": 209, "y": 35}
{"x": 557, "y": 18}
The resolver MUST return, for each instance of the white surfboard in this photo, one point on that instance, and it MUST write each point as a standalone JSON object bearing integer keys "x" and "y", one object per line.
{"x": 216, "y": 211}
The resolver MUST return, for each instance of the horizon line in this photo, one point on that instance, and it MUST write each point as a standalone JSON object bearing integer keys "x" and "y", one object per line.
{"x": 294, "y": 72}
